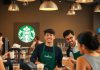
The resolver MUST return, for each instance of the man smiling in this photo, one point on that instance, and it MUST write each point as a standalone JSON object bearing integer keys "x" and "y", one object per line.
{"x": 47, "y": 53}
{"x": 72, "y": 50}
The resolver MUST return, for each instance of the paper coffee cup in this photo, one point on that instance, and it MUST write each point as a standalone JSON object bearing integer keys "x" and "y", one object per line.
{"x": 12, "y": 54}
{"x": 23, "y": 54}
{"x": 64, "y": 60}
{"x": 40, "y": 66}
{"x": 16, "y": 66}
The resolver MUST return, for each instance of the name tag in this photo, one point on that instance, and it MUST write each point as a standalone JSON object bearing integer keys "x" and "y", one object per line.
{"x": 47, "y": 56}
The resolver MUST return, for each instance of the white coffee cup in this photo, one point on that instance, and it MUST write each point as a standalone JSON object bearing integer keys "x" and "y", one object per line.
{"x": 7, "y": 68}
{"x": 16, "y": 66}
{"x": 23, "y": 54}
{"x": 64, "y": 59}
{"x": 40, "y": 66}
{"x": 12, "y": 54}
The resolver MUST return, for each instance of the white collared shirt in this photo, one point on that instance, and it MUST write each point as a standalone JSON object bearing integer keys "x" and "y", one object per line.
{"x": 74, "y": 49}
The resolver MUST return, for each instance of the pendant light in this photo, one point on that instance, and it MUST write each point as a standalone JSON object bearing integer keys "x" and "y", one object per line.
{"x": 71, "y": 12}
{"x": 84, "y": 1}
{"x": 76, "y": 6}
{"x": 97, "y": 8}
{"x": 25, "y": 2}
{"x": 13, "y": 7}
{"x": 48, "y": 6}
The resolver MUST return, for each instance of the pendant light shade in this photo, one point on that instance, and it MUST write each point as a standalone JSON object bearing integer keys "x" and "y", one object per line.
{"x": 84, "y": 1}
{"x": 97, "y": 8}
{"x": 48, "y": 6}
{"x": 71, "y": 12}
{"x": 26, "y": 0}
{"x": 13, "y": 7}
{"x": 76, "y": 6}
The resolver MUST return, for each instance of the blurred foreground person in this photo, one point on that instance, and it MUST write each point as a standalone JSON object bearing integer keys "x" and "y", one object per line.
{"x": 88, "y": 45}
{"x": 1, "y": 61}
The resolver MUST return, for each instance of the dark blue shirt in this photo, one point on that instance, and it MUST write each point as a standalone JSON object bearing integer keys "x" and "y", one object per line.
{"x": 38, "y": 50}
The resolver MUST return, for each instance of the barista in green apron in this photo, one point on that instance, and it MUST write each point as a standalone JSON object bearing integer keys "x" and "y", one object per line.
{"x": 72, "y": 50}
{"x": 47, "y": 53}
{"x": 48, "y": 58}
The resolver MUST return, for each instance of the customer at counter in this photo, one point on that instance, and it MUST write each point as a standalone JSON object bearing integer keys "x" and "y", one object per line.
{"x": 88, "y": 45}
{"x": 1, "y": 61}
{"x": 72, "y": 50}
{"x": 47, "y": 53}
{"x": 35, "y": 42}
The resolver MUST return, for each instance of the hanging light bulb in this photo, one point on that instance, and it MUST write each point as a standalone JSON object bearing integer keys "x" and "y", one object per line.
{"x": 97, "y": 8}
{"x": 48, "y": 6}
{"x": 13, "y": 7}
{"x": 84, "y": 1}
{"x": 71, "y": 12}
{"x": 76, "y": 6}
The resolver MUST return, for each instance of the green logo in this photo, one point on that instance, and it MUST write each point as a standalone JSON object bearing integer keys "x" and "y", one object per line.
{"x": 26, "y": 33}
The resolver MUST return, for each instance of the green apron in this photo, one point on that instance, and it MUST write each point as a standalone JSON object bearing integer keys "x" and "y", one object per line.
{"x": 48, "y": 58}
{"x": 77, "y": 54}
